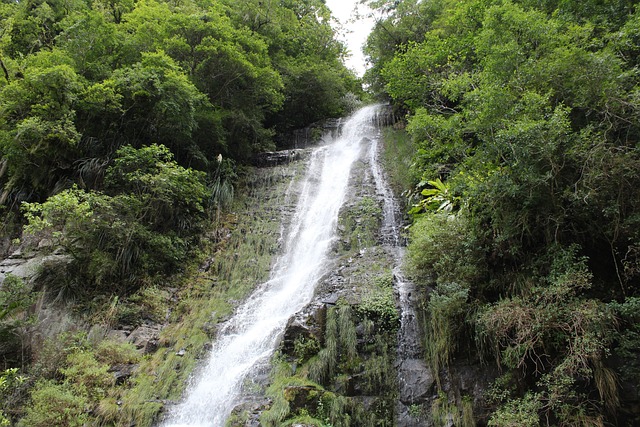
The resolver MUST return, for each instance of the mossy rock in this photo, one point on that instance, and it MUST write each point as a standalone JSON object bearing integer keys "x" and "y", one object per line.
{"x": 303, "y": 398}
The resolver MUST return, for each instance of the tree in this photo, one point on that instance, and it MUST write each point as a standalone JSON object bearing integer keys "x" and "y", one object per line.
{"x": 143, "y": 227}
{"x": 38, "y": 136}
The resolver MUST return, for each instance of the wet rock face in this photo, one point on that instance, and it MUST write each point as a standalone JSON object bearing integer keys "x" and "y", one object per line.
{"x": 417, "y": 381}
{"x": 275, "y": 158}
{"x": 299, "y": 331}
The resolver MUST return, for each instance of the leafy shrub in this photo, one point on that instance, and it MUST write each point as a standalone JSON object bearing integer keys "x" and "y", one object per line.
{"x": 518, "y": 413}
{"x": 10, "y": 382}
{"x": 87, "y": 373}
{"x": 55, "y": 405}
{"x": 379, "y": 305}
{"x": 117, "y": 238}
{"x": 443, "y": 249}
{"x": 552, "y": 318}
{"x": 445, "y": 313}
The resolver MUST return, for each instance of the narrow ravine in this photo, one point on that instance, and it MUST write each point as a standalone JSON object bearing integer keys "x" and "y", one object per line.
{"x": 251, "y": 335}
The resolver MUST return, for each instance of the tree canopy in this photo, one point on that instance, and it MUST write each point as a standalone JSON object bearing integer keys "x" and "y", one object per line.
{"x": 82, "y": 79}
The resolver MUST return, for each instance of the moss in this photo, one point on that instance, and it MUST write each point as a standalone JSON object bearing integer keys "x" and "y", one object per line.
{"x": 360, "y": 225}
{"x": 239, "y": 253}
{"x": 397, "y": 156}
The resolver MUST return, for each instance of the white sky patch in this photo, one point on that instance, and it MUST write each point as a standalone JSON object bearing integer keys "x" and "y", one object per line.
{"x": 355, "y": 29}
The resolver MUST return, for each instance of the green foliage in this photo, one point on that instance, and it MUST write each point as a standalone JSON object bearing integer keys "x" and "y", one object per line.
{"x": 173, "y": 198}
{"x": 627, "y": 336}
{"x": 444, "y": 413}
{"x": 437, "y": 198}
{"x": 142, "y": 229}
{"x": 379, "y": 305}
{"x": 552, "y": 318}
{"x": 446, "y": 307}
{"x": 80, "y": 80}
{"x": 518, "y": 412}
{"x": 15, "y": 300}
{"x": 443, "y": 249}
{"x": 10, "y": 380}
{"x": 509, "y": 103}
{"x": 114, "y": 353}
{"x": 56, "y": 405}
{"x": 86, "y": 373}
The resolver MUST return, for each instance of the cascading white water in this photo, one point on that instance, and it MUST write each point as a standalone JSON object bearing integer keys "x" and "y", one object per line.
{"x": 250, "y": 336}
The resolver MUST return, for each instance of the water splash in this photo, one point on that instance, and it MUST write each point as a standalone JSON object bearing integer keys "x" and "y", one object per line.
{"x": 250, "y": 336}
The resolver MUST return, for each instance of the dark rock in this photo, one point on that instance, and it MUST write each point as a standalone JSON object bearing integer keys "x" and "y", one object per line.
{"x": 123, "y": 372}
{"x": 298, "y": 329}
{"x": 303, "y": 397}
{"x": 416, "y": 381}
{"x": 350, "y": 386}
{"x": 274, "y": 158}
{"x": 145, "y": 338}
{"x": 331, "y": 299}
{"x": 206, "y": 266}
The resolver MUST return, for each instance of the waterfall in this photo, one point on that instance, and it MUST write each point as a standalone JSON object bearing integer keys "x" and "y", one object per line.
{"x": 410, "y": 365}
{"x": 251, "y": 335}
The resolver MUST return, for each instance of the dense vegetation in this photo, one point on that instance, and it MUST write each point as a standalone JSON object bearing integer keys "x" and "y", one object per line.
{"x": 123, "y": 121}
{"x": 81, "y": 79}
{"x": 124, "y": 126}
{"x": 526, "y": 203}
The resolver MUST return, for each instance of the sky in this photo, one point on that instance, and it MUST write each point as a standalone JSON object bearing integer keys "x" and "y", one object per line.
{"x": 355, "y": 31}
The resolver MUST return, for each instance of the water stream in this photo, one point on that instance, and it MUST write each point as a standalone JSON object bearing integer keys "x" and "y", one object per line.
{"x": 409, "y": 352}
{"x": 251, "y": 335}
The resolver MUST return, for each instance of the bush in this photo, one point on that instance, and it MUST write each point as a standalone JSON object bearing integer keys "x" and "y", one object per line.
{"x": 445, "y": 313}
{"x": 55, "y": 405}
{"x": 443, "y": 249}
{"x": 552, "y": 318}
{"x": 518, "y": 413}
{"x": 119, "y": 237}
{"x": 86, "y": 373}
{"x": 379, "y": 305}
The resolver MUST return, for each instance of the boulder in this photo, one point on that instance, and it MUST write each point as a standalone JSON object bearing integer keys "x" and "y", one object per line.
{"x": 297, "y": 330}
{"x": 145, "y": 338}
{"x": 26, "y": 268}
{"x": 303, "y": 397}
{"x": 123, "y": 372}
{"x": 416, "y": 381}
